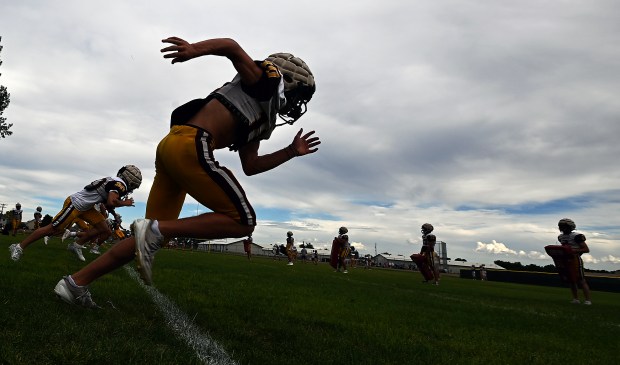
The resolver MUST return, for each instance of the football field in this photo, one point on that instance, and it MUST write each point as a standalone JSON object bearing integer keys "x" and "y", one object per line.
{"x": 221, "y": 309}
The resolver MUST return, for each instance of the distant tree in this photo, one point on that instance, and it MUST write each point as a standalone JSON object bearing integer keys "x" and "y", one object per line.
{"x": 460, "y": 259}
{"x": 5, "y": 98}
{"x": 517, "y": 266}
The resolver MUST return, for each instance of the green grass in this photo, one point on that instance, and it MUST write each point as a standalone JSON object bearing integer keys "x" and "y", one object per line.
{"x": 265, "y": 312}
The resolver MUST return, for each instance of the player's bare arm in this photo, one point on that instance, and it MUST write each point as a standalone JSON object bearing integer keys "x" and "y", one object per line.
{"x": 254, "y": 164}
{"x": 114, "y": 200}
{"x": 182, "y": 51}
{"x": 583, "y": 247}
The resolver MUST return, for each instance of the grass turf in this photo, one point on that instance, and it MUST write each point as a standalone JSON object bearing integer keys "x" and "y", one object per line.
{"x": 265, "y": 312}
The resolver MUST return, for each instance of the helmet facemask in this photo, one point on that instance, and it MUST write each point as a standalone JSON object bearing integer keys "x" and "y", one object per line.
{"x": 299, "y": 86}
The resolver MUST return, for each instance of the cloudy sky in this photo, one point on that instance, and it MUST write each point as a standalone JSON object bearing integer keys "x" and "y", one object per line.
{"x": 490, "y": 119}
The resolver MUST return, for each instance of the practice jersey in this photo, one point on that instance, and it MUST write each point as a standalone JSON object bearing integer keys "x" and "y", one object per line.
{"x": 427, "y": 245}
{"x": 289, "y": 242}
{"x": 255, "y": 106}
{"x": 573, "y": 239}
{"x": 38, "y": 216}
{"x": 97, "y": 192}
{"x": 17, "y": 214}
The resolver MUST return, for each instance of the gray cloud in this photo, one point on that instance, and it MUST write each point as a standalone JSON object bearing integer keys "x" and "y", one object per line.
{"x": 479, "y": 118}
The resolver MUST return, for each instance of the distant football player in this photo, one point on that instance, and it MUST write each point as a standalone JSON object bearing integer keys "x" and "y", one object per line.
{"x": 38, "y": 219}
{"x": 237, "y": 116}
{"x": 97, "y": 240}
{"x": 290, "y": 245}
{"x": 81, "y": 205}
{"x": 247, "y": 247}
{"x": 16, "y": 218}
{"x": 428, "y": 250}
{"x": 344, "y": 249}
{"x": 38, "y": 216}
{"x": 577, "y": 242}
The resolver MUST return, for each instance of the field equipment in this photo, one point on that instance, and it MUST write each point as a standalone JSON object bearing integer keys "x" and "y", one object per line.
{"x": 420, "y": 262}
{"x": 334, "y": 256}
{"x": 566, "y": 262}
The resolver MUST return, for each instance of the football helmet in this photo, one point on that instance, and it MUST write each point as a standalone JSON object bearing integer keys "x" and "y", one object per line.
{"x": 131, "y": 175}
{"x": 343, "y": 230}
{"x": 427, "y": 228}
{"x": 566, "y": 224}
{"x": 299, "y": 85}
{"x": 18, "y": 206}
{"x": 39, "y": 209}
{"x": 289, "y": 233}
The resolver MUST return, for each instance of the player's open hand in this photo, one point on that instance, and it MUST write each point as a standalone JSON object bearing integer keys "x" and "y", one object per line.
{"x": 181, "y": 50}
{"x": 305, "y": 144}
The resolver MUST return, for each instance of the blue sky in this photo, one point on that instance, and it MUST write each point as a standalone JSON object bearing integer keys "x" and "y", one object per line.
{"x": 491, "y": 120}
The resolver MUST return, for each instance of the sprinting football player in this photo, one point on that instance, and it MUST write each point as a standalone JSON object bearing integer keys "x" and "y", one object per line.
{"x": 237, "y": 116}
{"x": 111, "y": 190}
{"x": 95, "y": 241}
{"x": 577, "y": 242}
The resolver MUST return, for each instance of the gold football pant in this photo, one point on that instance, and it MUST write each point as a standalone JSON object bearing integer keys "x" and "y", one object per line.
{"x": 69, "y": 214}
{"x": 184, "y": 164}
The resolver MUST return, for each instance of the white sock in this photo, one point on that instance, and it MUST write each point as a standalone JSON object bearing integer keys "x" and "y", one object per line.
{"x": 155, "y": 228}
{"x": 70, "y": 280}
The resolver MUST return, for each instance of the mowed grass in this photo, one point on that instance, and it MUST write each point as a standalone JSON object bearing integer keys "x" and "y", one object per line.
{"x": 265, "y": 312}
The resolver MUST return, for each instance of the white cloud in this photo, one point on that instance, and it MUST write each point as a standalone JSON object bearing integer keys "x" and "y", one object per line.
{"x": 495, "y": 248}
{"x": 611, "y": 259}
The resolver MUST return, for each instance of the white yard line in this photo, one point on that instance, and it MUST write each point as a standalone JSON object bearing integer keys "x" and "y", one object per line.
{"x": 207, "y": 350}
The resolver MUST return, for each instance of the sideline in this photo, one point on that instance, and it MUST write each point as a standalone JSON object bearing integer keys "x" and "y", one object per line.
{"x": 207, "y": 350}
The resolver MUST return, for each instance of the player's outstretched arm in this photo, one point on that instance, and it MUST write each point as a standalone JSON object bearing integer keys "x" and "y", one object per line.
{"x": 180, "y": 51}
{"x": 253, "y": 164}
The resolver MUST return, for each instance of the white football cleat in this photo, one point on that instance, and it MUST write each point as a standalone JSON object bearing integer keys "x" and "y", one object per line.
{"x": 46, "y": 239}
{"x": 65, "y": 235}
{"x": 147, "y": 243}
{"x": 16, "y": 251}
{"x": 77, "y": 250}
{"x": 74, "y": 294}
